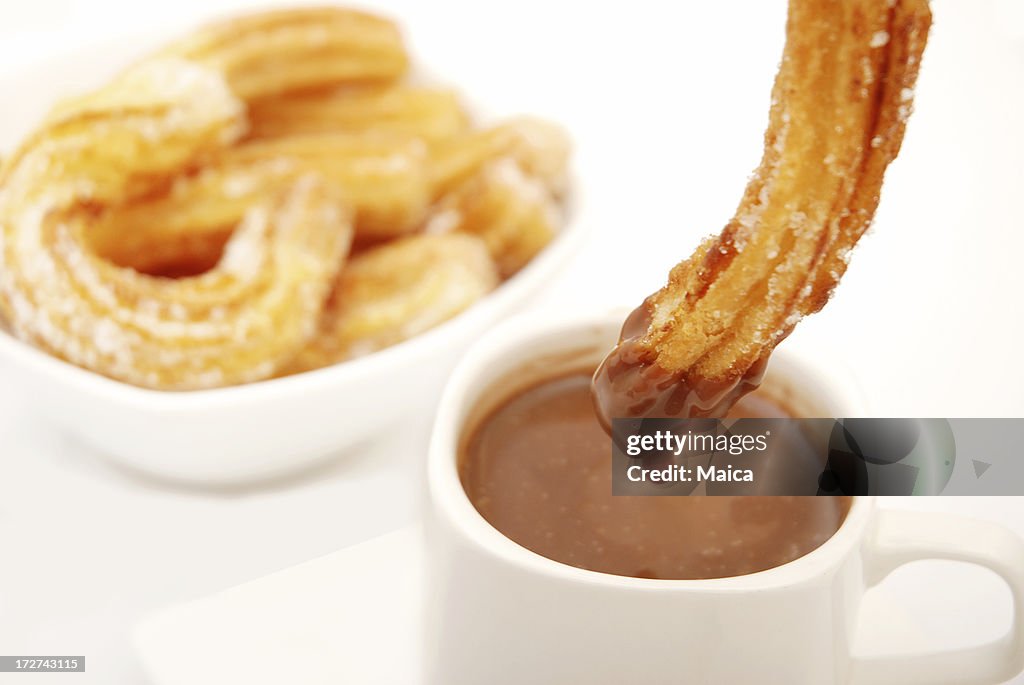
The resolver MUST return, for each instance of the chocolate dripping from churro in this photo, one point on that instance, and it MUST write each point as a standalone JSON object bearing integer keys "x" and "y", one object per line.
{"x": 840, "y": 104}
{"x": 630, "y": 383}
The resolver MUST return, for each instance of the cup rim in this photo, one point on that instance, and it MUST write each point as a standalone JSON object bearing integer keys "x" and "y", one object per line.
{"x": 448, "y": 500}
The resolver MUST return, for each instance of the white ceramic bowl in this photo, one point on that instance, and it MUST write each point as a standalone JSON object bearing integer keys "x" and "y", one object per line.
{"x": 251, "y": 432}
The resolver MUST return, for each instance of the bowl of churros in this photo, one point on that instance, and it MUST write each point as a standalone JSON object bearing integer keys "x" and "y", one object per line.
{"x": 258, "y": 245}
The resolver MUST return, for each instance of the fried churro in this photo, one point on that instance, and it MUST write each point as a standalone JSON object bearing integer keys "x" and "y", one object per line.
{"x": 430, "y": 114}
{"x": 188, "y": 225}
{"x": 513, "y": 213}
{"x": 840, "y": 104}
{"x": 236, "y": 323}
{"x": 385, "y": 182}
{"x": 266, "y": 54}
{"x": 398, "y": 290}
{"x": 539, "y": 147}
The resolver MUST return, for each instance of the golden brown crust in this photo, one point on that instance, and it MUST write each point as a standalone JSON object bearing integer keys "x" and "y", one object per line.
{"x": 385, "y": 181}
{"x": 514, "y": 213}
{"x": 540, "y": 148}
{"x": 839, "y": 108}
{"x": 270, "y": 53}
{"x": 390, "y": 178}
{"x": 188, "y": 224}
{"x": 395, "y": 291}
{"x": 430, "y": 114}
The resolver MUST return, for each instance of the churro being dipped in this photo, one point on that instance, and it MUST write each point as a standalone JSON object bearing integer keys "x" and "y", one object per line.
{"x": 839, "y": 108}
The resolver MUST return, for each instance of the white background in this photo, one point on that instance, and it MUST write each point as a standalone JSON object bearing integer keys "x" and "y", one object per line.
{"x": 667, "y": 103}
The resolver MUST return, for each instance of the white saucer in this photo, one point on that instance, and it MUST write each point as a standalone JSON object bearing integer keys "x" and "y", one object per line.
{"x": 352, "y": 617}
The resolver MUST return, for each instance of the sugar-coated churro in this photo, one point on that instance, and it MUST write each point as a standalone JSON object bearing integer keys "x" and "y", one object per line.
{"x": 431, "y": 114}
{"x": 236, "y": 323}
{"x": 270, "y": 53}
{"x": 839, "y": 108}
{"x": 188, "y": 224}
{"x": 515, "y": 214}
{"x": 398, "y": 290}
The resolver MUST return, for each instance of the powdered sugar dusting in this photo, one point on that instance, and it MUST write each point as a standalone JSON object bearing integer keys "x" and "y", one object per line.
{"x": 148, "y": 331}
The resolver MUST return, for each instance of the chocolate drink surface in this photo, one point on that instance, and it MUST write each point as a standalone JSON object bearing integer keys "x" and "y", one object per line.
{"x": 537, "y": 468}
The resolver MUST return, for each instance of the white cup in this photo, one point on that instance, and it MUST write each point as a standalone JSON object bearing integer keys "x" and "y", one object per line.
{"x": 501, "y": 614}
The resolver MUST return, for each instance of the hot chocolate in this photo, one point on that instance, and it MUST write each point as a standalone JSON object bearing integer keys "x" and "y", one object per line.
{"x": 537, "y": 468}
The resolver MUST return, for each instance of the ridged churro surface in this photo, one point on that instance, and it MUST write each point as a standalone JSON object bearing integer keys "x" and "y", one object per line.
{"x": 189, "y": 224}
{"x": 839, "y": 108}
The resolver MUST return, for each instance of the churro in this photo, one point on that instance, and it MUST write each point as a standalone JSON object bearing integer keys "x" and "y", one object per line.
{"x": 539, "y": 147}
{"x": 188, "y": 224}
{"x": 385, "y": 181}
{"x": 395, "y": 291}
{"x": 513, "y": 213}
{"x": 270, "y": 53}
{"x": 430, "y": 114}
{"x": 839, "y": 108}
{"x": 236, "y": 323}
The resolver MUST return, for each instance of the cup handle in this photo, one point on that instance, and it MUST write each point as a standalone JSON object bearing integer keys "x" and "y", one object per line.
{"x": 900, "y": 537}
